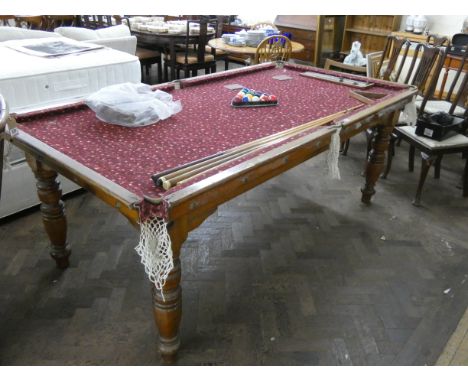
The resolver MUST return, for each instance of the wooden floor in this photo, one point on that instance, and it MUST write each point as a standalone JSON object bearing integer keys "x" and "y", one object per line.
{"x": 295, "y": 272}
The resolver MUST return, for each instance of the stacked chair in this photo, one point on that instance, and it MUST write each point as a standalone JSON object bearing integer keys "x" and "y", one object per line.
{"x": 432, "y": 151}
{"x": 193, "y": 57}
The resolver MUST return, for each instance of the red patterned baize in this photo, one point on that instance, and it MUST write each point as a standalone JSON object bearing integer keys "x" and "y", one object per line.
{"x": 206, "y": 125}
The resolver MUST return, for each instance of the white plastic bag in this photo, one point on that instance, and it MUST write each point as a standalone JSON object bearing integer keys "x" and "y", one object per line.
{"x": 132, "y": 105}
{"x": 355, "y": 57}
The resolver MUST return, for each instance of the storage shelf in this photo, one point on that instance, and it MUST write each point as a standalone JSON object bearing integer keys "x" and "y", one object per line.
{"x": 369, "y": 32}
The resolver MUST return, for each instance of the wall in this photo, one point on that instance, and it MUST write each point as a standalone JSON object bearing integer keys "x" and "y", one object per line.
{"x": 444, "y": 24}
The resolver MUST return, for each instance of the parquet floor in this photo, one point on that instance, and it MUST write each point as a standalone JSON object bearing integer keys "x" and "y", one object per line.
{"x": 295, "y": 272}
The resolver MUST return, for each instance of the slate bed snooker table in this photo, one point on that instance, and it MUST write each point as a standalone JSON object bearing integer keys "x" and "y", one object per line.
{"x": 116, "y": 163}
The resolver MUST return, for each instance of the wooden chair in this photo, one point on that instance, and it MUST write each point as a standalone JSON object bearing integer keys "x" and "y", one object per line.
{"x": 97, "y": 21}
{"x": 445, "y": 103}
{"x": 264, "y": 25}
{"x": 193, "y": 57}
{"x": 31, "y": 22}
{"x": 7, "y": 20}
{"x": 273, "y": 48}
{"x": 425, "y": 66}
{"x": 147, "y": 57}
{"x": 437, "y": 40}
{"x": 373, "y": 62}
{"x": 389, "y": 67}
{"x": 370, "y": 70}
{"x": 432, "y": 150}
{"x": 395, "y": 47}
{"x": 339, "y": 66}
{"x": 55, "y": 21}
{"x": 217, "y": 23}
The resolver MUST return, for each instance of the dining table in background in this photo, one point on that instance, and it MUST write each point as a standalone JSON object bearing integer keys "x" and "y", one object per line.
{"x": 218, "y": 43}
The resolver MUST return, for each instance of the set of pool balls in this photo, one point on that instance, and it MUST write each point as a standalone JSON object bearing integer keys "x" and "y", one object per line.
{"x": 250, "y": 97}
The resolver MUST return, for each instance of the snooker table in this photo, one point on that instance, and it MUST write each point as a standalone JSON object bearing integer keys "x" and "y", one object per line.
{"x": 116, "y": 163}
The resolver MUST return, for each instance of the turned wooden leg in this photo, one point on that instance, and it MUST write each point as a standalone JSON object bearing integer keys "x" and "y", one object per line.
{"x": 167, "y": 305}
{"x": 426, "y": 162}
{"x": 376, "y": 158}
{"x": 167, "y": 308}
{"x": 390, "y": 155}
{"x": 437, "y": 165}
{"x": 53, "y": 212}
{"x": 370, "y": 134}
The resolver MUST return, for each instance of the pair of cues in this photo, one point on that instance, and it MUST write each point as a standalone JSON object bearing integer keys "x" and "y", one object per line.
{"x": 3, "y": 121}
{"x": 186, "y": 172}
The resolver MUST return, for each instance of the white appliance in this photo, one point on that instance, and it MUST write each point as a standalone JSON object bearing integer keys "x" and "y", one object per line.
{"x": 30, "y": 83}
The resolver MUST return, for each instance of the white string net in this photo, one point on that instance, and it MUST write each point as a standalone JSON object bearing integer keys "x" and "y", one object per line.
{"x": 333, "y": 155}
{"x": 155, "y": 250}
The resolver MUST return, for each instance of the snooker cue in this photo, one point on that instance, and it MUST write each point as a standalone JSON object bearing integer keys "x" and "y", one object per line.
{"x": 231, "y": 154}
{"x": 156, "y": 177}
{"x": 3, "y": 120}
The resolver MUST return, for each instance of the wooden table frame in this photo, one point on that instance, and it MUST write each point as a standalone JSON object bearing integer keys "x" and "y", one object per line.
{"x": 190, "y": 206}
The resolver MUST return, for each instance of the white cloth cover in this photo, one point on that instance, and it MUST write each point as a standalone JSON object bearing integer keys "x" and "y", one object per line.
{"x": 132, "y": 105}
{"x": 333, "y": 155}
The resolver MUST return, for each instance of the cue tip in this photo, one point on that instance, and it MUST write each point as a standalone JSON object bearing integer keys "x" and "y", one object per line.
{"x": 166, "y": 184}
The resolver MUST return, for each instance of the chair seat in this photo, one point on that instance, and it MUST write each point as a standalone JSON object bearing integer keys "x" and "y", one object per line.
{"x": 219, "y": 52}
{"x": 146, "y": 54}
{"x": 435, "y": 106}
{"x": 191, "y": 58}
{"x": 455, "y": 141}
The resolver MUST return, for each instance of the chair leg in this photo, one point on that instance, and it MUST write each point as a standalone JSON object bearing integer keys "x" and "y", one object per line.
{"x": 226, "y": 63}
{"x": 411, "y": 152}
{"x": 166, "y": 73}
{"x": 426, "y": 162}
{"x": 465, "y": 179}
{"x": 345, "y": 147}
{"x": 437, "y": 167}
{"x": 390, "y": 155}
{"x": 160, "y": 71}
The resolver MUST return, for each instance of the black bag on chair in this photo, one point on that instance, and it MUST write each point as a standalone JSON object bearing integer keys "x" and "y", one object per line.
{"x": 438, "y": 126}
